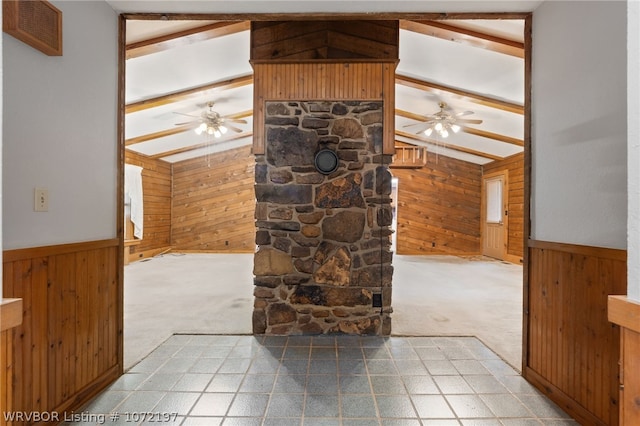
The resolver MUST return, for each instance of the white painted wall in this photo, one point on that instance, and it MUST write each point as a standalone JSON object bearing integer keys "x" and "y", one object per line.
{"x": 633, "y": 117}
{"x": 579, "y": 123}
{"x": 60, "y": 132}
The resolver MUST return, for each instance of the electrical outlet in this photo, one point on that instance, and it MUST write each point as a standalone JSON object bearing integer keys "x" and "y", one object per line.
{"x": 41, "y": 200}
{"x": 377, "y": 300}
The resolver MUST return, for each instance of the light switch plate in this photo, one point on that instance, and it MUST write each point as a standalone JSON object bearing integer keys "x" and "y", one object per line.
{"x": 41, "y": 200}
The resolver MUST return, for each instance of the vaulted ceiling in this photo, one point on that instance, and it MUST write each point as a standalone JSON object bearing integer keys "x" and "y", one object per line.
{"x": 175, "y": 68}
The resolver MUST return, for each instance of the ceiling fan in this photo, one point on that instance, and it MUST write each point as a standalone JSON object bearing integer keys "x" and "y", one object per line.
{"x": 211, "y": 122}
{"x": 444, "y": 121}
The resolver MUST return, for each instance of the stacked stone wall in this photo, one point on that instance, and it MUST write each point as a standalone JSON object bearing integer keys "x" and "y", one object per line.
{"x": 323, "y": 240}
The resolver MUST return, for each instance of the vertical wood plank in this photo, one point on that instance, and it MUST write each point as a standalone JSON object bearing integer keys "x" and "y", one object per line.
{"x": 112, "y": 314}
{"x": 39, "y": 331}
{"x": 81, "y": 319}
{"x": 22, "y": 335}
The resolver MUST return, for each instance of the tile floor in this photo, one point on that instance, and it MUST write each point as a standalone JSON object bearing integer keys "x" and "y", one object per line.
{"x": 339, "y": 380}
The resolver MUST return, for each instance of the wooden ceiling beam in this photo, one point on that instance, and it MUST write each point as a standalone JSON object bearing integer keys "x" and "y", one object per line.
{"x": 470, "y": 96}
{"x": 182, "y": 150}
{"x": 446, "y": 31}
{"x": 159, "y": 134}
{"x": 182, "y": 95}
{"x": 470, "y": 130}
{"x": 177, "y": 129}
{"x": 322, "y": 16}
{"x": 447, "y": 145}
{"x": 185, "y": 38}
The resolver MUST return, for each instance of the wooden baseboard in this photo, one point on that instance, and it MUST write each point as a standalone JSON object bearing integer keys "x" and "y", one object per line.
{"x": 513, "y": 259}
{"x": 141, "y": 255}
{"x": 575, "y": 410}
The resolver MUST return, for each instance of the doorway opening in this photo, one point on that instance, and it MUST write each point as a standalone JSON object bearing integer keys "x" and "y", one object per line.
{"x": 413, "y": 98}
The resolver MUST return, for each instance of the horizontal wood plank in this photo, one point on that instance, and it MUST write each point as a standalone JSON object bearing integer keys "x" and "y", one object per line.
{"x": 439, "y": 207}
{"x": 10, "y": 313}
{"x": 214, "y": 202}
{"x": 601, "y": 252}
{"x": 157, "y": 194}
{"x": 625, "y": 312}
{"x": 35, "y": 252}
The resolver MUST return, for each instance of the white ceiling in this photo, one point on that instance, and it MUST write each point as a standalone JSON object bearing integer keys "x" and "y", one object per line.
{"x": 435, "y": 60}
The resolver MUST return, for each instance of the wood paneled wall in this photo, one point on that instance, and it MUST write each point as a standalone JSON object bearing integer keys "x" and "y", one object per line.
{"x": 308, "y": 81}
{"x": 156, "y": 191}
{"x": 572, "y": 350}
{"x": 68, "y": 346}
{"x": 214, "y": 203}
{"x": 439, "y": 207}
{"x": 515, "y": 199}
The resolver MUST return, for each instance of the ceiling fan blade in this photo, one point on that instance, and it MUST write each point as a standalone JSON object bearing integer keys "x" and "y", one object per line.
{"x": 235, "y": 120}
{"x": 428, "y": 120}
{"x": 187, "y": 122}
{"x": 234, "y": 128}
{"x": 463, "y": 113}
{"x": 186, "y": 115}
{"x": 469, "y": 121}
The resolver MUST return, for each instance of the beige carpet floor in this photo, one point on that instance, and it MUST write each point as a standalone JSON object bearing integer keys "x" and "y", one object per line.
{"x": 213, "y": 294}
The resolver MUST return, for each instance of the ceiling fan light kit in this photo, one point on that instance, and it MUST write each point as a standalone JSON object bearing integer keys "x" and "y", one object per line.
{"x": 211, "y": 129}
{"x": 212, "y": 123}
{"x": 443, "y": 122}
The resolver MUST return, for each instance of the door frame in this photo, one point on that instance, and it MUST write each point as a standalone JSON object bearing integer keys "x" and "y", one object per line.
{"x": 528, "y": 25}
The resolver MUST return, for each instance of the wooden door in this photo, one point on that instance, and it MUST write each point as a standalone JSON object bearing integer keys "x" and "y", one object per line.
{"x": 494, "y": 217}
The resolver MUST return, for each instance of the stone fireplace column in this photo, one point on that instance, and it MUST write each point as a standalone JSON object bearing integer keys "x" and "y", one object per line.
{"x": 323, "y": 259}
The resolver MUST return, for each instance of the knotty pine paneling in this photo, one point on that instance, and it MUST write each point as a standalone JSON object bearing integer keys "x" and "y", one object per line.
{"x": 214, "y": 203}
{"x": 324, "y": 40}
{"x": 573, "y": 350}
{"x": 515, "y": 167}
{"x": 439, "y": 203}
{"x": 156, "y": 192}
{"x": 68, "y": 346}
{"x": 309, "y": 81}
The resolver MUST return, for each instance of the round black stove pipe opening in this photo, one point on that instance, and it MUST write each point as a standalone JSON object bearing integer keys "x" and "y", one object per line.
{"x": 326, "y": 161}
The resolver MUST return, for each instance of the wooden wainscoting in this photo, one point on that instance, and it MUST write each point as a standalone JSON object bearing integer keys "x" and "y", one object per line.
{"x": 572, "y": 350}
{"x": 214, "y": 203}
{"x": 439, "y": 207}
{"x": 69, "y": 345}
